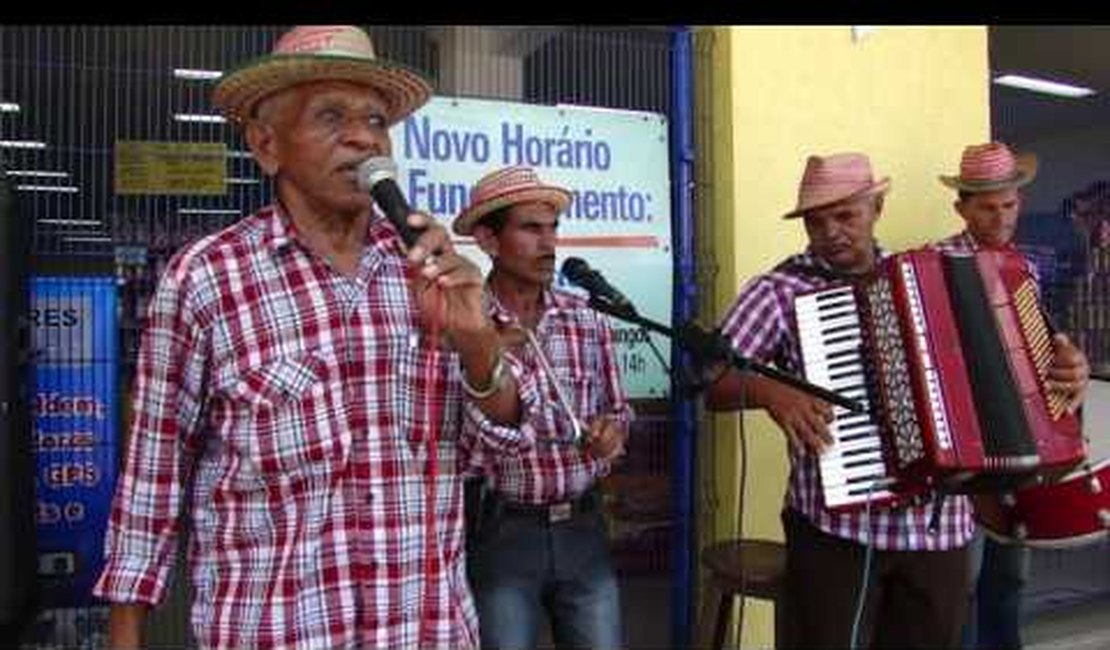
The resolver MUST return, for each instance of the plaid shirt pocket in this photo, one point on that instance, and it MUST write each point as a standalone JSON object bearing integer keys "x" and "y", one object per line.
{"x": 294, "y": 416}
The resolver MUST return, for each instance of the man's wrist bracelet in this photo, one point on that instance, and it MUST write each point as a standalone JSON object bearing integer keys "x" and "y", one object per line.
{"x": 496, "y": 378}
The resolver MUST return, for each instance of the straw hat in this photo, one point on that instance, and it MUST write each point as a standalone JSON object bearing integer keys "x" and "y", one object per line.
{"x": 318, "y": 53}
{"x": 990, "y": 167}
{"x": 833, "y": 179}
{"x": 505, "y": 187}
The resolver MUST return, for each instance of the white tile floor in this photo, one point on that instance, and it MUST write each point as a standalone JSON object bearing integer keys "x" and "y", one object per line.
{"x": 1077, "y": 626}
{"x": 1066, "y": 604}
{"x": 1067, "y": 599}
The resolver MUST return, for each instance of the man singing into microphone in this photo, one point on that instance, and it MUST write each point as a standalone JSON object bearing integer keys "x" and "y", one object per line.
{"x": 541, "y": 542}
{"x": 301, "y": 382}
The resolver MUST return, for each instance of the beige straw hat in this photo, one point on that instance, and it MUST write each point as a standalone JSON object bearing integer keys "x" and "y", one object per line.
{"x": 828, "y": 180}
{"x": 319, "y": 53}
{"x": 505, "y": 187}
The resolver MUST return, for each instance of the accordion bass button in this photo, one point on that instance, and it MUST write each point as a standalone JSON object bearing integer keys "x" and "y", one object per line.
{"x": 1021, "y": 532}
{"x": 1007, "y": 499}
{"x": 1094, "y": 485}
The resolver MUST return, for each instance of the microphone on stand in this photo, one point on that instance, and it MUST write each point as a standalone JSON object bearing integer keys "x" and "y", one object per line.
{"x": 377, "y": 175}
{"x": 579, "y": 273}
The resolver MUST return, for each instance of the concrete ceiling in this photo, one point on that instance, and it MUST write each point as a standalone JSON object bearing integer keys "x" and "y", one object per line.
{"x": 1073, "y": 54}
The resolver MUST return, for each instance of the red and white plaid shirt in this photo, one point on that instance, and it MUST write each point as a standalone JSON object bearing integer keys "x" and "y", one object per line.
{"x": 578, "y": 344}
{"x": 290, "y": 410}
{"x": 760, "y": 326}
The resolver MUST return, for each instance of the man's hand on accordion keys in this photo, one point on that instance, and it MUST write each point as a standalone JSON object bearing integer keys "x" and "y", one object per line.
{"x": 1069, "y": 372}
{"x": 803, "y": 418}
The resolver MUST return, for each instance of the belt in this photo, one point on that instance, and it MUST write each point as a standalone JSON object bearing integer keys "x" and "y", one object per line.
{"x": 549, "y": 512}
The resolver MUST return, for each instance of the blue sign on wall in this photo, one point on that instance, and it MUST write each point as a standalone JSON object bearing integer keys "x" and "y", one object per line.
{"x": 75, "y": 348}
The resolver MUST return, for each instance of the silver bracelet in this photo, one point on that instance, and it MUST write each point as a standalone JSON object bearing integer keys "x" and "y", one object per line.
{"x": 496, "y": 378}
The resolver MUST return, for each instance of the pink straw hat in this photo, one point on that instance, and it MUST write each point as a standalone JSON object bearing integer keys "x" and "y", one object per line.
{"x": 321, "y": 53}
{"x": 836, "y": 178}
{"x": 505, "y": 187}
{"x": 990, "y": 167}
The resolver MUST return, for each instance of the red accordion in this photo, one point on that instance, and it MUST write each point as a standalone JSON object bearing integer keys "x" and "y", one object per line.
{"x": 950, "y": 352}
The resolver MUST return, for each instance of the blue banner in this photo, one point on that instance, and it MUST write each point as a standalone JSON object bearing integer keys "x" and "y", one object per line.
{"x": 75, "y": 416}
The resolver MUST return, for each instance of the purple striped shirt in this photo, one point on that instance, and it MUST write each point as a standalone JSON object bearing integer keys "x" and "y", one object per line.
{"x": 760, "y": 325}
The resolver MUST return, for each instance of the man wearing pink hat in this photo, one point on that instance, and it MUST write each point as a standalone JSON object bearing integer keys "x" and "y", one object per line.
{"x": 541, "y": 542}
{"x": 989, "y": 202}
{"x": 301, "y": 383}
{"x": 914, "y": 571}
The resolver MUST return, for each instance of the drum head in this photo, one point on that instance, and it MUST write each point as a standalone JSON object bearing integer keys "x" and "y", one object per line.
{"x": 1096, "y": 420}
{"x": 1068, "y": 512}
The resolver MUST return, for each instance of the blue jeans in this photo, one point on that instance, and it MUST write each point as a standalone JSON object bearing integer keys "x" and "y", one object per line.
{"x": 994, "y": 619}
{"x": 525, "y": 566}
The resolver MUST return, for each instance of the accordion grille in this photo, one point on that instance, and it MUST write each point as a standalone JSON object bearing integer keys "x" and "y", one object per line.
{"x": 1039, "y": 340}
{"x": 894, "y": 374}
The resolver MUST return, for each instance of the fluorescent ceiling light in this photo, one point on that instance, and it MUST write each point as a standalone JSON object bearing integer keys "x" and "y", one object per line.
{"x": 198, "y": 117}
{"x": 238, "y": 154}
{"x": 89, "y": 239}
{"x": 72, "y": 222}
{"x": 207, "y": 211}
{"x": 8, "y": 107}
{"x": 243, "y": 181}
{"x": 38, "y": 173}
{"x": 69, "y": 189}
{"x": 22, "y": 144}
{"x": 191, "y": 73}
{"x": 1043, "y": 86}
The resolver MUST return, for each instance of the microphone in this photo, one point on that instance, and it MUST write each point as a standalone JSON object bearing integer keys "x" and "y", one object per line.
{"x": 579, "y": 273}
{"x": 377, "y": 175}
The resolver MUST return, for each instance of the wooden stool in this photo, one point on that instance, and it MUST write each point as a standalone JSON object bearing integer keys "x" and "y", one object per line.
{"x": 744, "y": 567}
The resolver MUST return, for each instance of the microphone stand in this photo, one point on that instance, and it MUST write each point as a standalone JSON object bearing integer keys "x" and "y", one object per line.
{"x": 711, "y": 346}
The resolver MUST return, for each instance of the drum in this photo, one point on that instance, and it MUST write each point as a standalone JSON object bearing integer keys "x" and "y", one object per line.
{"x": 1070, "y": 512}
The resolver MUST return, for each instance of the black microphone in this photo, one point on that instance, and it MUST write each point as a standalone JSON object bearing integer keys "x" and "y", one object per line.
{"x": 377, "y": 175}
{"x": 579, "y": 272}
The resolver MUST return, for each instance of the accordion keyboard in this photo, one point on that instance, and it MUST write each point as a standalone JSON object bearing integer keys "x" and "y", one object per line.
{"x": 853, "y": 469}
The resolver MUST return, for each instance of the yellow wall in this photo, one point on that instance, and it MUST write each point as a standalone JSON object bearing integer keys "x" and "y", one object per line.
{"x": 909, "y": 97}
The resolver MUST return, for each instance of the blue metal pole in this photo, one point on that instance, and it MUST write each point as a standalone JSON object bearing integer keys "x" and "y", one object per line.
{"x": 685, "y": 307}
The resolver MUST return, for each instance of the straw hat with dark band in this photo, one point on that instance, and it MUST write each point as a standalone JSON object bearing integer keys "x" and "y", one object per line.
{"x": 991, "y": 167}
{"x": 505, "y": 187}
{"x": 321, "y": 53}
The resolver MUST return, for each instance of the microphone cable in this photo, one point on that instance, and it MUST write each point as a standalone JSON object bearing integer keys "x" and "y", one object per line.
{"x": 865, "y": 579}
{"x": 655, "y": 350}
{"x": 741, "y": 487}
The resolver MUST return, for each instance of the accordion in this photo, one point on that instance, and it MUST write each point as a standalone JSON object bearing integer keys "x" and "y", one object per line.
{"x": 950, "y": 355}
